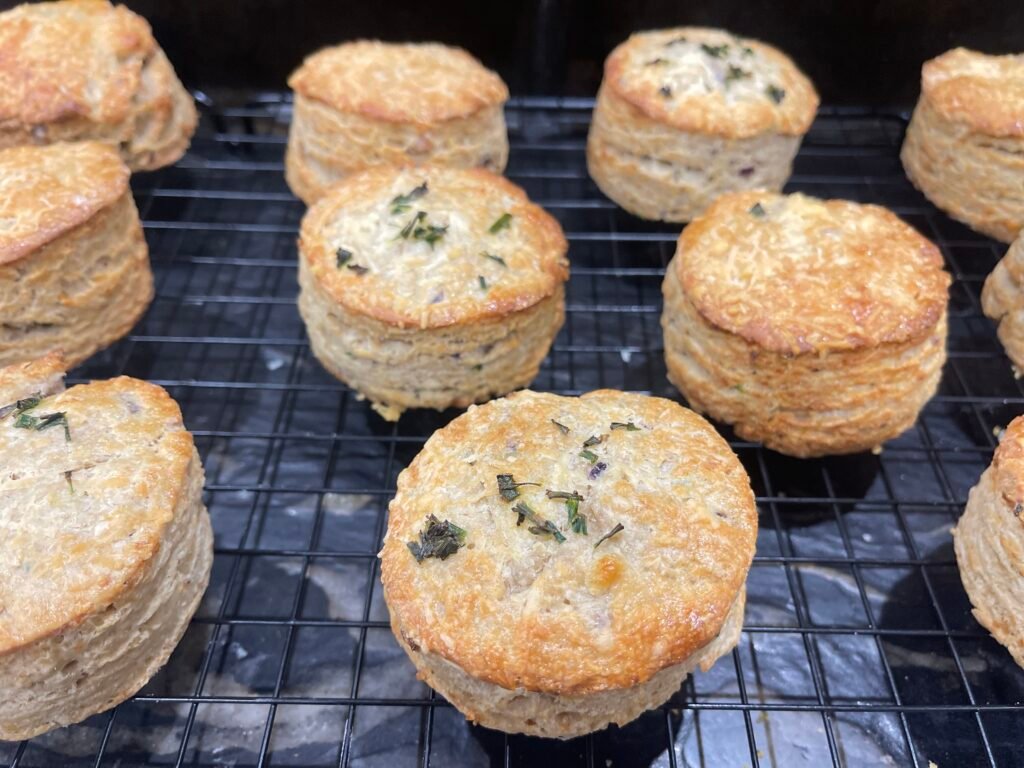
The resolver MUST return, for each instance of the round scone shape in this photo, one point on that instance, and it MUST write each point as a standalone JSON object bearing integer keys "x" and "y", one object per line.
{"x": 430, "y": 287}
{"x": 684, "y": 115}
{"x": 106, "y": 546}
{"x": 1002, "y": 299}
{"x": 368, "y": 103}
{"x": 77, "y": 70}
{"x": 816, "y": 327}
{"x": 74, "y": 267}
{"x": 964, "y": 147}
{"x": 555, "y": 564}
{"x": 989, "y": 544}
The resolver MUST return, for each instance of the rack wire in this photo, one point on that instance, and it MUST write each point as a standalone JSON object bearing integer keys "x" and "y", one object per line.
{"x": 858, "y": 649}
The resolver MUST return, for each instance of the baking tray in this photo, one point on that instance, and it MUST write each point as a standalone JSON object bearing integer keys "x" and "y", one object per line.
{"x": 859, "y": 647}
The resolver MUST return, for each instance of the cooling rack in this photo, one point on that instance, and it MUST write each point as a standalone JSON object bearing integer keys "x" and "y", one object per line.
{"x": 859, "y": 647}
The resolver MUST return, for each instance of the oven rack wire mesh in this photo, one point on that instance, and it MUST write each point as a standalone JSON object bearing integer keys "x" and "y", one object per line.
{"x": 858, "y": 649}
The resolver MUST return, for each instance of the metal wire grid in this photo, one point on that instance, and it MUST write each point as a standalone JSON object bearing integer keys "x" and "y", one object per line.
{"x": 858, "y": 649}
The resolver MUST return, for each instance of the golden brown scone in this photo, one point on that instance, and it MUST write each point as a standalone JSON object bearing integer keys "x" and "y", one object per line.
{"x": 816, "y": 327}
{"x": 106, "y": 546}
{"x": 430, "y": 287}
{"x": 74, "y": 267}
{"x": 686, "y": 114}
{"x": 1002, "y": 299}
{"x": 965, "y": 143}
{"x": 560, "y": 617}
{"x": 989, "y": 544}
{"x": 85, "y": 69}
{"x": 368, "y": 103}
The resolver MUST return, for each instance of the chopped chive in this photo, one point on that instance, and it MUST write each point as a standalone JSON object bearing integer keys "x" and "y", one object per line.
{"x": 775, "y": 93}
{"x": 561, "y": 427}
{"x": 39, "y": 423}
{"x": 619, "y": 527}
{"x": 20, "y": 406}
{"x": 563, "y": 495}
{"x": 629, "y": 426}
{"x": 747, "y": 50}
{"x": 483, "y": 282}
{"x": 492, "y": 257}
{"x": 540, "y": 526}
{"x": 402, "y": 203}
{"x": 588, "y": 455}
{"x": 577, "y": 522}
{"x": 735, "y": 73}
{"x": 344, "y": 256}
{"x": 358, "y": 269}
{"x": 509, "y": 488}
{"x": 665, "y": 90}
{"x": 715, "y": 51}
{"x": 593, "y": 440}
{"x": 655, "y": 62}
{"x": 758, "y": 210}
{"x": 439, "y": 539}
{"x": 501, "y": 223}
{"x": 67, "y": 476}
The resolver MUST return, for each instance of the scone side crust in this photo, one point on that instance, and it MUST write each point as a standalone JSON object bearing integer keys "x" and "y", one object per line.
{"x": 420, "y": 83}
{"x": 981, "y": 91}
{"x": 414, "y": 284}
{"x": 70, "y": 59}
{"x": 697, "y": 97}
{"x": 79, "y": 579}
{"x": 794, "y": 274}
{"x": 47, "y": 191}
{"x": 645, "y": 600}
{"x": 1008, "y": 466}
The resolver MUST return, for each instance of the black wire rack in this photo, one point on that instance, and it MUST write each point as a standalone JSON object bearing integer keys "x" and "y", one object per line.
{"x": 859, "y": 647}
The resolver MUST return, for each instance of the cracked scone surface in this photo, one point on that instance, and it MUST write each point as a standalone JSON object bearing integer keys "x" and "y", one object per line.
{"x": 105, "y": 548}
{"x": 814, "y": 326}
{"x": 1002, "y": 299}
{"x": 964, "y": 147}
{"x": 524, "y": 633}
{"x": 74, "y": 267}
{"x": 989, "y": 544}
{"x": 85, "y": 69}
{"x": 419, "y": 303}
{"x": 684, "y": 115}
{"x": 368, "y": 102}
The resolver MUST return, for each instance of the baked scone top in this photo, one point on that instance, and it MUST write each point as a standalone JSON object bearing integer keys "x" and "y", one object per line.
{"x": 420, "y": 83}
{"x": 518, "y": 608}
{"x": 432, "y": 247}
{"x": 71, "y": 59}
{"x": 82, "y": 509}
{"x": 1008, "y": 466}
{"x": 982, "y": 91}
{"x": 48, "y": 190}
{"x": 795, "y": 274}
{"x": 710, "y": 81}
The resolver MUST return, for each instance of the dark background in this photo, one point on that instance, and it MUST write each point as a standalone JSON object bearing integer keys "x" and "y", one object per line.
{"x": 866, "y": 52}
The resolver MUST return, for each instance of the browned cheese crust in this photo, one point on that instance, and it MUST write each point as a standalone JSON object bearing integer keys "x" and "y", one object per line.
{"x": 85, "y": 69}
{"x": 74, "y": 267}
{"x": 816, "y": 327}
{"x": 368, "y": 103}
{"x": 421, "y": 304}
{"x": 570, "y": 633}
{"x": 989, "y": 544}
{"x": 684, "y": 115}
{"x": 965, "y": 144}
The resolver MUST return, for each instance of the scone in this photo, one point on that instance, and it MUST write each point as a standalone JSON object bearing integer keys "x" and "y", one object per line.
{"x": 686, "y": 114}
{"x": 430, "y": 287}
{"x": 964, "y": 147}
{"x": 1002, "y": 299}
{"x": 369, "y": 103}
{"x": 74, "y": 267}
{"x": 555, "y": 564}
{"x": 814, "y": 326}
{"x": 105, "y": 545}
{"x": 989, "y": 544}
{"x": 85, "y": 69}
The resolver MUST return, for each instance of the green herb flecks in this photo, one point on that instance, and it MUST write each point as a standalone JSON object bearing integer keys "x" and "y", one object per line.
{"x": 747, "y": 50}
{"x": 502, "y": 222}
{"x": 735, "y": 73}
{"x": 619, "y": 527}
{"x": 666, "y": 91}
{"x": 492, "y": 257}
{"x": 577, "y": 522}
{"x": 20, "y": 406}
{"x": 655, "y": 62}
{"x": 482, "y": 281}
{"x": 439, "y": 539}
{"x": 47, "y": 420}
{"x": 588, "y": 455}
{"x": 403, "y": 203}
{"x": 358, "y": 269}
{"x": 758, "y": 210}
{"x": 540, "y": 527}
{"x": 676, "y": 41}
{"x": 715, "y": 51}
{"x": 509, "y": 488}
{"x": 593, "y": 440}
{"x": 561, "y": 427}
{"x": 344, "y": 256}
{"x": 418, "y": 229}
{"x": 775, "y": 93}
{"x": 629, "y": 426}
{"x": 67, "y": 477}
